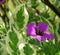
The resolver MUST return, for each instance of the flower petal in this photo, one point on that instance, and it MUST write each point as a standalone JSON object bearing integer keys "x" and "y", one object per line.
{"x": 39, "y": 38}
{"x": 43, "y": 26}
{"x": 31, "y": 29}
{"x": 1, "y": 1}
{"x": 49, "y": 35}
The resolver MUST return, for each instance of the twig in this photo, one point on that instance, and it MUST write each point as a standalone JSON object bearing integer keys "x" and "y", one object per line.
{"x": 51, "y": 6}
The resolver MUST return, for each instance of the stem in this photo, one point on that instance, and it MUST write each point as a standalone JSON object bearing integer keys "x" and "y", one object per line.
{"x": 51, "y": 6}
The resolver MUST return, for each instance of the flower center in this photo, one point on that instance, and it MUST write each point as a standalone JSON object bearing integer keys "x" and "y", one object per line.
{"x": 0, "y": 0}
{"x": 38, "y": 32}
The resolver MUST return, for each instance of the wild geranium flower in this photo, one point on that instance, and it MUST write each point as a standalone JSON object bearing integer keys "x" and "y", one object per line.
{"x": 1, "y": 1}
{"x": 39, "y": 31}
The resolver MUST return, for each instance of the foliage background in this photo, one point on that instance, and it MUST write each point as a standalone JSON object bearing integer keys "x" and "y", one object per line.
{"x": 14, "y": 17}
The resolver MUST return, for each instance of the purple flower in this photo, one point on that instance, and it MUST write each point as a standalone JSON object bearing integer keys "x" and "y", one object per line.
{"x": 39, "y": 31}
{"x": 1, "y": 1}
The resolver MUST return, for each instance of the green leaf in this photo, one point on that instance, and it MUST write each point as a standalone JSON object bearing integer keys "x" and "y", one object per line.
{"x": 48, "y": 48}
{"x": 20, "y": 17}
{"x": 28, "y": 50}
{"x": 13, "y": 46}
{"x": 33, "y": 3}
{"x": 58, "y": 46}
{"x": 40, "y": 52}
{"x": 32, "y": 16}
{"x": 56, "y": 2}
{"x": 13, "y": 37}
{"x": 52, "y": 14}
{"x": 58, "y": 53}
{"x": 45, "y": 14}
{"x": 34, "y": 42}
{"x": 41, "y": 7}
